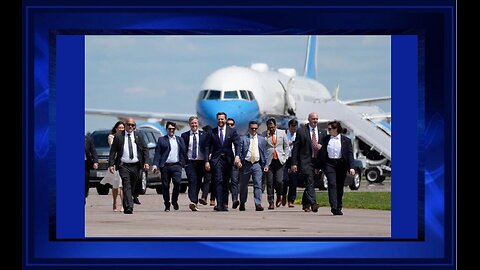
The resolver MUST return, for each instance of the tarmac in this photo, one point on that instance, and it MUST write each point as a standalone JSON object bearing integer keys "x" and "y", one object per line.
{"x": 150, "y": 220}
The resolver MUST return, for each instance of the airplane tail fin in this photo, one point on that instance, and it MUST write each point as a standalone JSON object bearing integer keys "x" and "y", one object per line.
{"x": 310, "y": 68}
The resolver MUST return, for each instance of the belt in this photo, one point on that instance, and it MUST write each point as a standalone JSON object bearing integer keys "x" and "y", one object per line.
{"x": 171, "y": 164}
{"x": 129, "y": 164}
{"x": 251, "y": 162}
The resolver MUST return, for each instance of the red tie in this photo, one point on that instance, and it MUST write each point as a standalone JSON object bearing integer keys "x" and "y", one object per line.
{"x": 314, "y": 143}
{"x": 274, "y": 141}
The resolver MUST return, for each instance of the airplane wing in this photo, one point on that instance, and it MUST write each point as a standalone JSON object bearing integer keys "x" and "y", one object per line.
{"x": 179, "y": 118}
{"x": 365, "y": 100}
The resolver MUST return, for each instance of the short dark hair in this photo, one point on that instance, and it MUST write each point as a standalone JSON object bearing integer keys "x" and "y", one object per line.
{"x": 231, "y": 119}
{"x": 221, "y": 113}
{"x": 169, "y": 123}
{"x": 293, "y": 122}
{"x": 252, "y": 123}
{"x": 335, "y": 124}
{"x": 271, "y": 121}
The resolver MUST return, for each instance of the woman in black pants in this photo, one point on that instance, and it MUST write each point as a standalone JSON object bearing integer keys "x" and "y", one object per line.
{"x": 336, "y": 155}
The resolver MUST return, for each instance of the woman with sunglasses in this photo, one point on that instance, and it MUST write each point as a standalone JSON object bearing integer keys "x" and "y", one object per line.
{"x": 337, "y": 160}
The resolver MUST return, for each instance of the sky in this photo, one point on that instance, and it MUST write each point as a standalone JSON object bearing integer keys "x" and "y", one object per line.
{"x": 158, "y": 73}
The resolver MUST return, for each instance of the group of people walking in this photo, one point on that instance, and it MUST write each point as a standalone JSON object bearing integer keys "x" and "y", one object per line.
{"x": 221, "y": 162}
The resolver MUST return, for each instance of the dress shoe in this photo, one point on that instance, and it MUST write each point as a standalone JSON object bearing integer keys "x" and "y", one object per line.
{"x": 193, "y": 207}
{"x": 270, "y": 206}
{"x": 279, "y": 201}
{"x": 136, "y": 201}
{"x": 315, "y": 207}
{"x": 175, "y": 205}
{"x": 235, "y": 204}
{"x": 291, "y": 204}
{"x": 167, "y": 207}
{"x": 337, "y": 212}
{"x": 202, "y": 201}
{"x": 128, "y": 211}
{"x": 242, "y": 207}
{"x": 258, "y": 207}
{"x": 284, "y": 200}
{"x": 212, "y": 202}
{"x": 306, "y": 208}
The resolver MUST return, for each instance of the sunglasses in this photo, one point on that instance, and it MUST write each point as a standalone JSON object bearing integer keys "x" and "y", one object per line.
{"x": 330, "y": 128}
{"x": 253, "y": 128}
{"x": 230, "y": 124}
{"x": 130, "y": 124}
{"x": 171, "y": 128}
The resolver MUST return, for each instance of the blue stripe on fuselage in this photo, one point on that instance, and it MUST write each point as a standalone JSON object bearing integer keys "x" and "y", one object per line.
{"x": 243, "y": 111}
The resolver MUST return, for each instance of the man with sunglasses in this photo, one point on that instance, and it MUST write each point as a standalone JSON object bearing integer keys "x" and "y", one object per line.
{"x": 170, "y": 158}
{"x": 128, "y": 155}
{"x": 253, "y": 150}
{"x": 235, "y": 173}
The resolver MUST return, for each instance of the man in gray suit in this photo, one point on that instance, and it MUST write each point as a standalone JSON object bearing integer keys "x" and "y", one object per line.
{"x": 253, "y": 159}
{"x": 277, "y": 155}
{"x": 304, "y": 155}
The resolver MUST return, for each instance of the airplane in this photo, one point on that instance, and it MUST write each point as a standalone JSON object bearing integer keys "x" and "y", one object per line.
{"x": 259, "y": 93}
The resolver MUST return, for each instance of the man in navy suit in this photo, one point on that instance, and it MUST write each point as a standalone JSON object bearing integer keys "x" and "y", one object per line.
{"x": 128, "y": 155}
{"x": 253, "y": 152}
{"x": 195, "y": 141}
{"x": 336, "y": 160}
{"x": 219, "y": 146}
{"x": 170, "y": 156}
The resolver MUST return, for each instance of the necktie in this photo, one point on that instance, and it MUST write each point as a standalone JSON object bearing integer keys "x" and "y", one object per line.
{"x": 314, "y": 143}
{"x": 194, "y": 147}
{"x": 221, "y": 136}
{"x": 274, "y": 141}
{"x": 254, "y": 149}
{"x": 130, "y": 147}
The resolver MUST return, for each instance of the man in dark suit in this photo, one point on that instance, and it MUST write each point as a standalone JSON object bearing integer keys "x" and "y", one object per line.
{"x": 195, "y": 141}
{"x": 220, "y": 147}
{"x": 336, "y": 161}
{"x": 128, "y": 155}
{"x": 91, "y": 162}
{"x": 304, "y": 153}
{"x": 170, "y": 157}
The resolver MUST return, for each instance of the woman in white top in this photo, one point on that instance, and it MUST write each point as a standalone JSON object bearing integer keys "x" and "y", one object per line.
{"x": 115, "y": 181}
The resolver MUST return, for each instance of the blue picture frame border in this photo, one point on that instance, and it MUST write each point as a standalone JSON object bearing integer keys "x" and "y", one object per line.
{"x": 433, "y": 27}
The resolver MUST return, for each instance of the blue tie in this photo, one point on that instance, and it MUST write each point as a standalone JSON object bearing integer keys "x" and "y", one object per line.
{"x": 194, "y": 148}
{"x": 221, "y": 136}
{"x": 130, "y": 146}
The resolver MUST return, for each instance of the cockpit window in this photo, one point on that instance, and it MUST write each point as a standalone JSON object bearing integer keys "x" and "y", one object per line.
{"x": 214, "y": 94}
{"x": 252, "y": 97}
{"x": 202, "y": 94}
{"x": 230, "y": 95}
{"x": 244, "y": 94}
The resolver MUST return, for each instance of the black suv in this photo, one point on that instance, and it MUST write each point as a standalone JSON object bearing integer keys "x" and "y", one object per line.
{"x": 149, "y": 179}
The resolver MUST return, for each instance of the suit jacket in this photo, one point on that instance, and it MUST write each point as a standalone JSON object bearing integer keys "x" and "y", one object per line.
{"x": 302, "y": 147}
{"x": 163, "y": 150}
{"x": 90, "y": 152}
{"x": 346, "y": 152}
{"x": 281, "y": 147}
{"x": 262, "y": 146}
{"x": 217, "y": 150}
{"x": 116, "y": 150}
{"x": 202, "y": 144}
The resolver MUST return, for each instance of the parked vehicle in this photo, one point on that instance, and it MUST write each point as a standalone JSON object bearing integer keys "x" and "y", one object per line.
{"x": 149, "y": 179}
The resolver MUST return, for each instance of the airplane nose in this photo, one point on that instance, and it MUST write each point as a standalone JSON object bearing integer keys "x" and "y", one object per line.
{"x": 240, "y": 110}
